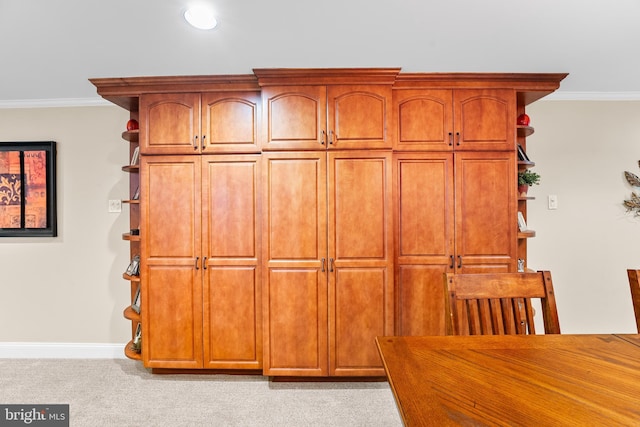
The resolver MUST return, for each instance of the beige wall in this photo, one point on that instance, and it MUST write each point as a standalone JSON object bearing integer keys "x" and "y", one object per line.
{"x": 581, "y": 150}
{"x": 69, "y": 289}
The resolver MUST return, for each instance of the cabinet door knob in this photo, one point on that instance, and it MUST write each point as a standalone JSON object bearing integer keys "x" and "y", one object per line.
{"x": 322, "y": 135}
{"x": 450, "y": 138}
{"x": 331, "y": 265}
{"x": 331, "y": 137}
{"x": 195, "y": 142}
{"x": 322, "y": 261}
{"x": 459, "y": 261}
{"x": 457, "y": 138}
{"x": 197, "y": 258}
{"x": 204, "y": 263}
{"x": 451, "y": 265}
{"x": 204, "y": 145}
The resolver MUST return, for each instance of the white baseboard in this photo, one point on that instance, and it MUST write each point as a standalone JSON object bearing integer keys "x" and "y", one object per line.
{"x": 45, "y": 350}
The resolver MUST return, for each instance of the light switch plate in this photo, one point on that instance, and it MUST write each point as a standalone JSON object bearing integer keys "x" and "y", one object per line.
{"x": 553, "y": 201}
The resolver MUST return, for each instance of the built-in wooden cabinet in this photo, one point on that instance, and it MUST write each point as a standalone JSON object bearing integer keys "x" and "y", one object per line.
{"x": 329, "y": 113}
{"x": 201, "y": 278}
{"x": 329, "y": 266}
{"x": 290, "y": 216}
{"x": 454, "y": 213}
{"x": 460, "y": 119}
{"x": 197, "y": 123}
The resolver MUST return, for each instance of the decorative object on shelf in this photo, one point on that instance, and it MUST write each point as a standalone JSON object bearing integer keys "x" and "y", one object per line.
{"x": 633, "y": 204}
{"x": 135, "y": 156}
{"x": 136, "y": 345}
{"x": 527, "y": 178}
{"x": 132, "y": 125}
{"x": 523, "y": 120}
{"x": 520, "y": 265}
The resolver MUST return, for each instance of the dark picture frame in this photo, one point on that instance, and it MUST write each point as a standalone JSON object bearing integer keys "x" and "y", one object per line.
{"x": 28, "y": 202}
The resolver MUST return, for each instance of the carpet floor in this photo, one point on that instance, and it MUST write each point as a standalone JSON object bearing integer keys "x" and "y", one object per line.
{"x": 119, "y": 392}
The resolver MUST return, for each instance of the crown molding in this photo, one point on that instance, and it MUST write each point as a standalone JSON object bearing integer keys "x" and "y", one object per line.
{"x": 101, "y": 102}
{"x": 592, "y": 96}
{"x": 54, "y": 103}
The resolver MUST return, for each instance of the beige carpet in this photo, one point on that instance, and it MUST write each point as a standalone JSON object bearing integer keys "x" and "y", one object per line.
{"x": 104, "y": 392}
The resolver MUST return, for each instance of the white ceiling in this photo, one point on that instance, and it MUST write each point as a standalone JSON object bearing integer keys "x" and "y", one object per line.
{"x": 48, "y": 49}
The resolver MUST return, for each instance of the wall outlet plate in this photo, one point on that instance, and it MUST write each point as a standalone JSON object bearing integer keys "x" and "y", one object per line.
{"x": 115, "y": 206}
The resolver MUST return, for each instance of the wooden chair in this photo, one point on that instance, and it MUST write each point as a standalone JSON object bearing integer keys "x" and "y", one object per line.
{"x": 499, "y": 303}
{"x": 634, "y": 283}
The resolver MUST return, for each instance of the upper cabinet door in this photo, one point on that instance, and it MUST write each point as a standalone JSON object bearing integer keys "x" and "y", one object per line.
{"x": 170, "y": 123}
{"x": 484, "y": 119}
{"x": 423, "y": 120}
{"x": 294, "y": 118}
{"x": 230, "y": 122}
{"x": 358, "y": 116}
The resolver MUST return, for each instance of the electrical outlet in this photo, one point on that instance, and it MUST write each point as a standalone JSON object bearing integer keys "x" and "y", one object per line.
{"x": 115, "y": 206}
{"x": 553, "y": 201}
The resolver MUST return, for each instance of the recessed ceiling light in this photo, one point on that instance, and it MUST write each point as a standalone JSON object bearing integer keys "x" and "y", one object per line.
{"x": 201, "y": 16}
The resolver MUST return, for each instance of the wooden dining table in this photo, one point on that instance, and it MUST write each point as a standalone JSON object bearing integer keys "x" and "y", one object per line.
{"x": 515, "y": 380}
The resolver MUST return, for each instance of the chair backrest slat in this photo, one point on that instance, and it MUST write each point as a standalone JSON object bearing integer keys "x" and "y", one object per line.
{"x": 634, "y": 284}
{"x": 499, "y": 303}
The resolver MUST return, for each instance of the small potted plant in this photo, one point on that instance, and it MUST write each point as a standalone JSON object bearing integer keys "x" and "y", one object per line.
{"x": 527, "y": 178}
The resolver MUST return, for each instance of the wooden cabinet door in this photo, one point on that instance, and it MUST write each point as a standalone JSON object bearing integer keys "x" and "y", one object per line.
{"x": 171, "y": 266}
{"x": 170, "y": 123}
{"x": 230, "y": 122}
{"x": 486, "y": 212}
{"x": 361, "y": 260}
{"x": 485, "y": 120}
{"x": 358, "y": 116}
{"x": 231, "y": 233}
{"x": 423, "y": 120}
{"x": 424, "y": 247}
{"x": 295, "y": 118}
{"x": 295, "y": 270}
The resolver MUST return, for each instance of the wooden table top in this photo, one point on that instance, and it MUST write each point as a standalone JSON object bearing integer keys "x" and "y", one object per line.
{"x": 530, "y": 380}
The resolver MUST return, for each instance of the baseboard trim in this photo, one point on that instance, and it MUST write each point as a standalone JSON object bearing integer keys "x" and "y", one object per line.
{"x": 44, "y": 350}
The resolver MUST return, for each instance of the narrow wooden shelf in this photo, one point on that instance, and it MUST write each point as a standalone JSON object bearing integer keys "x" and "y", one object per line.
{"x": 526, "y": 234}
{"x": 131, "y": 168}
{"x": 130, "y": 353}
{"x": 131, "y": 135}
{"x": 132, "y": 202}
{"x": 525, "y": 198}
{"x": 125, "y": 276}
{"x": 130, "y": 237}
{"x": 129, "y": 313}
{"x": 525, "y": 165}
{"x": 524, "y": 130}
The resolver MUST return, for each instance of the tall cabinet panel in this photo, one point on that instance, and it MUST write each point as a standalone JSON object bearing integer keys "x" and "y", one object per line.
{"x": 171, "y": 274}
{"x": 231, "y": 287}
{"x": 295, "y": 273}
{"x": 424, "y": 188}
{"x": 360, "y": 260}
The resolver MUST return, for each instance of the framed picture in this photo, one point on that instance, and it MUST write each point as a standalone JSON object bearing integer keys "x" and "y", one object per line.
{"x": 137, "y": 339}
{"x": 28, "y": 189}
{"x": 136, "y": 194}
{"x": 135, "y": 305}
{"x": 134, "y": 266}
{"x": 522, "y": 224}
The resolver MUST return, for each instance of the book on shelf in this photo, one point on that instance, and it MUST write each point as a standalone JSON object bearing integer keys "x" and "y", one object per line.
{"x": 135, "y": 156}
{"x": 522, "y": 155}
{"x": 522, "y": 224}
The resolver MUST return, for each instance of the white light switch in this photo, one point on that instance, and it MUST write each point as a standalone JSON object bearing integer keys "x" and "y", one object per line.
{"x": 115, "y": 206}
{"x": 553, "y": 201}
